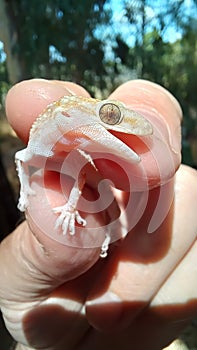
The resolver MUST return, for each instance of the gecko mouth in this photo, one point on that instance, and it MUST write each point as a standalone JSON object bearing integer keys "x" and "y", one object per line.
{"x": 139, "y": 145}
{"x": 116, "y": 157}
{"x": 125, "y": 173}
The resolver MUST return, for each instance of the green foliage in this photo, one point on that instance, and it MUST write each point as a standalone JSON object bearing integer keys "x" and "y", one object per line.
{"x": 56, "y": 38}
{"x": 4, "y": 82}
{"x": 173, "y": 65}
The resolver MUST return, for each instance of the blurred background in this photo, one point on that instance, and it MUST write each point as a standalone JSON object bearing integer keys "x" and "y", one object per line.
{"x": 98, "y": 44}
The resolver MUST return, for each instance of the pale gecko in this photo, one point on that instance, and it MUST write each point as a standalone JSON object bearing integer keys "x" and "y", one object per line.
{"x": 85, "y": 125}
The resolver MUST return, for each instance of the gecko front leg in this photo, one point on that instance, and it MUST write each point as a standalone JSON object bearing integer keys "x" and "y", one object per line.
{"x": 68, "y": 213}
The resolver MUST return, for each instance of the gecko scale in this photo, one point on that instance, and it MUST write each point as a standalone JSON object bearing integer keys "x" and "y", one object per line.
{"x": 83, "y": 123}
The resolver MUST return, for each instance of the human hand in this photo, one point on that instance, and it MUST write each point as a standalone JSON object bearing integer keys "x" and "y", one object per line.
{"x": 56, "y": 297}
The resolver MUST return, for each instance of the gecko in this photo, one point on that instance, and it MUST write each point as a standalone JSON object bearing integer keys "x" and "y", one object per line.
{"x": 80, "y": 125}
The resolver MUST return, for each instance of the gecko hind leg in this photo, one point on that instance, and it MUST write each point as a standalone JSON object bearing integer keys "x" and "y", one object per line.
{"x": 69, "y": 214}
{"x": 25, "y": 188}
{"x": 105, "y": 245}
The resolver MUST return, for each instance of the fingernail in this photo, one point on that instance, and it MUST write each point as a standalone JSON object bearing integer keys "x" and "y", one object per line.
{"x": 175, "y": 140}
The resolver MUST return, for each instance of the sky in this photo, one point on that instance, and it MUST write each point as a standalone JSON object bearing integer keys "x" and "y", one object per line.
{"x": 120, "y": 22}
{"x": 2, "y": 54}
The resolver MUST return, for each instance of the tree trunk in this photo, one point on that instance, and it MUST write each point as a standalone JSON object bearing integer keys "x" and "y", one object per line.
{"x": 143, "y": 9}
{"x": 9, "y": 37}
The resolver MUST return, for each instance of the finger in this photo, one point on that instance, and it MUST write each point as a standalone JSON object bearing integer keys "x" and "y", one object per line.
{"x": 34, "y": 95}
{"x": 170, "y": 311}
{"x": 161, "y": 152}
{"x": 160, "y": 163}
{"x": 27, "y": 99}
{"x": 40, "y": 263}
{"x": 143, "y": 262}
{"x": 158, "y": 104}
{"x": 177, "y": 298}
{"x": 31, "y": 263}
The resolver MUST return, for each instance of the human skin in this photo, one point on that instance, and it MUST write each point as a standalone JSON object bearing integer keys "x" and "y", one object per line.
{"x": 57, "y": 297}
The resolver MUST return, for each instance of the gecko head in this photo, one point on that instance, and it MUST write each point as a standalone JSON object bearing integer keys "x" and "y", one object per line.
{"x": 106, "y": 127}
{"x": 123, "y": 143}
{"x": 115, "y": 116}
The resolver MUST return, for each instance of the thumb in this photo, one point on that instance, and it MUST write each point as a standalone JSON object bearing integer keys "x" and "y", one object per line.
{"x": 30, "y": 262}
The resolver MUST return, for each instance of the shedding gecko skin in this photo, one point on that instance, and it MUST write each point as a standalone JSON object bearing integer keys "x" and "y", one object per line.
{"x": 87, "y": 120}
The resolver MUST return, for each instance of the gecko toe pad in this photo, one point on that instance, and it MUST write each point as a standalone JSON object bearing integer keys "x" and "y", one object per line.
{"x": 66, "y": 220}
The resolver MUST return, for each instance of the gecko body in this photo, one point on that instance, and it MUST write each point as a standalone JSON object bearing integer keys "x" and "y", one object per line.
{"x": 79, "y": 127}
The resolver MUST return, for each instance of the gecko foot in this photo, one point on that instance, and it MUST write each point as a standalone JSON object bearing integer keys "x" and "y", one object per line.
{"x": 68, "y": 216}
{"x": 105, "y": 246}
{"x": 23, "y": 199}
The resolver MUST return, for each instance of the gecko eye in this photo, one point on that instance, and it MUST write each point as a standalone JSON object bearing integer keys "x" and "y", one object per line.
{"x": 110, "y": 113}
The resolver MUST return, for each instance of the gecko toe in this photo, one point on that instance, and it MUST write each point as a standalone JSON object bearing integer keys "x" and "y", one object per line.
{"x": 79, "y": 219}
{"x": 67, "y": 218}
